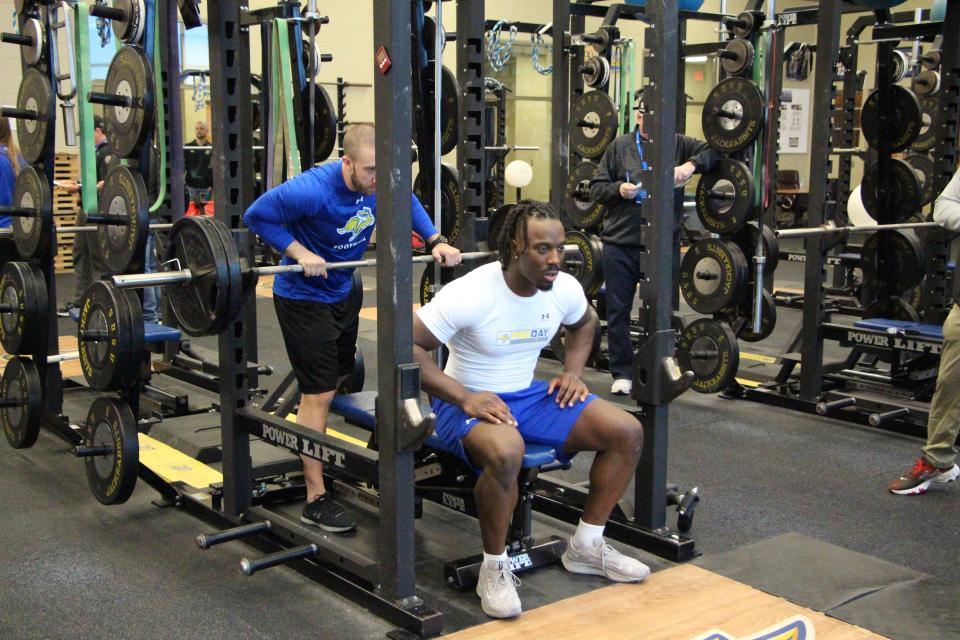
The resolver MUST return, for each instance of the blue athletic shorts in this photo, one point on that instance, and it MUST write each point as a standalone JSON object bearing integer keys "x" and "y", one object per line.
{"x": 540, "y": 418}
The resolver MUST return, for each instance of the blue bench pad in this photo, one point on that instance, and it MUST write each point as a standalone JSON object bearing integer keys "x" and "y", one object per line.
{"x": 360, "y": 408}
{"x": 906, "y": 327}
{"x": 152, "y": 332}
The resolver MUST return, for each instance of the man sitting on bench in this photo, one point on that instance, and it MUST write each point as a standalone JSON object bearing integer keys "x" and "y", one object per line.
{"x": 495, "y": 320}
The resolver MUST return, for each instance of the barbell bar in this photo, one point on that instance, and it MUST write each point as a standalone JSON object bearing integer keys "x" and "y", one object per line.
{"x": 91, "y": 228}
{"x": 185, "y": 276}
{"x": 830, "y": 228}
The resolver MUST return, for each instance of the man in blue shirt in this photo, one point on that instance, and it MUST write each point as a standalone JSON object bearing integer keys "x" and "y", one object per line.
{"x": 326, "y": 214}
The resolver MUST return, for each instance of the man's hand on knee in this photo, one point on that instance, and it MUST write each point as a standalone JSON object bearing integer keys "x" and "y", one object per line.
{"x": 488, "y": 407}
{"x": 570, "y": 388}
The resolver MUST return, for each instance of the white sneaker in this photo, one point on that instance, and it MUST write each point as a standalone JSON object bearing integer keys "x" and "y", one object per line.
{"x": 603, "y": 560}
{"x": 621, "y": 387}
{"x": 497, "y": 588}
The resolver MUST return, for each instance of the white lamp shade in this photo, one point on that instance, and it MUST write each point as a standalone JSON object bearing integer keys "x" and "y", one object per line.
{"x": 518, "y": 174}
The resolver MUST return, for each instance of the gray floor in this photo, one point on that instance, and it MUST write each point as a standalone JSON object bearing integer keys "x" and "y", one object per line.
{"x": 75, "y": 569}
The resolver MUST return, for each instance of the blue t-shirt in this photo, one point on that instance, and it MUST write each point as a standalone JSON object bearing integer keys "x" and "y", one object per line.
{"x": 8, "y": 180}
{"x": 319, "y": 210}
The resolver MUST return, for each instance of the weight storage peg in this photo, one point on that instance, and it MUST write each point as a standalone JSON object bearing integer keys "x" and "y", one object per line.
{"x": 32, "y": 40}
{"x": 128, "y": 17}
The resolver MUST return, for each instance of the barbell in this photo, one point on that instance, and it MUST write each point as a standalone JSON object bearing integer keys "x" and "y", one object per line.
{"x": 213, "y": 282}
{"x": 831, "y": 228}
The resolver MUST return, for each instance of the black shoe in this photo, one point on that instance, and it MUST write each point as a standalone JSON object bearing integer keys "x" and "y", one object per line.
{"x": 328, "y": 514}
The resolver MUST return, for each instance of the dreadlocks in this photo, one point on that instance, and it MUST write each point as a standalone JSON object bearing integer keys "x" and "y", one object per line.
{"x": 515, "y": 226}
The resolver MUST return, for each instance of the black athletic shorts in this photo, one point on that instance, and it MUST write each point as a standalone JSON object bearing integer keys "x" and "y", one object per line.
{"x": 320, "y": 338}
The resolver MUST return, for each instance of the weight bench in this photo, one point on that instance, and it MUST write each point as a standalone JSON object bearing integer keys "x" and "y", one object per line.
{"x": 904, "y": 327}
{"x": 153, "y": 333}
{"x": 443, "y": 477}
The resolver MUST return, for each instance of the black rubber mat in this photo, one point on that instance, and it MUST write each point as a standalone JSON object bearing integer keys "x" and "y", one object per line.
{"x": 921, "y": 609}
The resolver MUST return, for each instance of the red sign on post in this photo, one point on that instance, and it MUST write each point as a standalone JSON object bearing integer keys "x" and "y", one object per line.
{"x": 382, "y": 60}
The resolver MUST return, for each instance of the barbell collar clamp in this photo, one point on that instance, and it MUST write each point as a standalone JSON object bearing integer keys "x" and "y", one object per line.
{"x": 16, "y": 38}
{"x": 110, "y": 99}
{"x": 19, "y": 114}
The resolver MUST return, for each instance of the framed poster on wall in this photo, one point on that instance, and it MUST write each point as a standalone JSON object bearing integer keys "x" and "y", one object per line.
{"x": 794, "y": 121}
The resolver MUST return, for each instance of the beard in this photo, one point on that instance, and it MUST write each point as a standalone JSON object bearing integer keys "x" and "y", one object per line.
{"x": 364, "y": 189}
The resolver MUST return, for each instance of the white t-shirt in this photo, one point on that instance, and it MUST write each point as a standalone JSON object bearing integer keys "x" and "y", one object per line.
{"x": 494, "y": 335}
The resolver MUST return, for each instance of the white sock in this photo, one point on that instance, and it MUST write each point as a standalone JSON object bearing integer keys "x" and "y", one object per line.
{"x": 587, "y": 535}
{"x": 493, "y": 560}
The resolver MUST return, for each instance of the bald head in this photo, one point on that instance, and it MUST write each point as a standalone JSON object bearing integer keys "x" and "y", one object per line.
{"x": 357, "y": 139}
{"x": 359, "y": 159}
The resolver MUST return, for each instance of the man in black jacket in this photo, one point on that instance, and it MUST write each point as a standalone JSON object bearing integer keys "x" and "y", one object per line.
{"x": 616, "y": 184}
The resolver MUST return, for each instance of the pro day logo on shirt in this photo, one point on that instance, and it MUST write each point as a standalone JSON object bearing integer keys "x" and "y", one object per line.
{"x": 359, "y": 221}
{"x": 505, "y": 338}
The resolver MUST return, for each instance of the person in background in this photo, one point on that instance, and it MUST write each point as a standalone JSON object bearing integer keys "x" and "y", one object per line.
{"x": 88, "y": 264}
{"x": 617, "y": 184}
{"x": 11, "y": 162}
{"x": 198, "y": 176}
{"x": 938, "y": 458}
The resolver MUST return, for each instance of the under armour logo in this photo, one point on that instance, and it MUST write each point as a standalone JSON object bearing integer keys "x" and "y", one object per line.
{"x": 544, "y": 316}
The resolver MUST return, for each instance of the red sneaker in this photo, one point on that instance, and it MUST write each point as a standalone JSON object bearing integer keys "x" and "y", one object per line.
{"x": 918, "y": 478}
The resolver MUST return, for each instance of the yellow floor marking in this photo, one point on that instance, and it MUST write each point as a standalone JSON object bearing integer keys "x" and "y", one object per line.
{"x": 680, "y": 603}
{"x": 336, "y": 434}
{"x": 175, "y": 466}
{"x": 756, "y": 357}
{"x": 748, "y": 383}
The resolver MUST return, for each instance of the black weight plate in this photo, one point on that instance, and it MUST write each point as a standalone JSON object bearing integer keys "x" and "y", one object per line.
{"x": 926, "y": 171}
{"x": 449, "y": 99}
{"x": 905, "y": 187}
{"x": 429, "y": 36}
{"x": 123, "y": 196}
{"x": 596, "y": 72}
{"x": 325, "y": 123}
{"x": 725, "y": 197}
{"x": 426, "y": 282}
{"x": 926, "y": 83}
{"x": 132, "y": 317}
{"x": 23, "y": 287}
{"x": 113, "y": 476}
{"x": 903, "y": 118}
{"x": 32, "y": 54}
{"x": 929, "y": 124}
{"x": 713, "y": 275}
{"x": 129, "y": 75}
{"x": 495, "y": 220}
{"x": 112, "y": 362}
{"x": 894, "y": 308}
{"x": 130, "y": 29}
{"x": 451, "y": 201}
{"x": 744, "y": 310}
{"x": 586, "y": 263}
{"x": 899, "y": 64}
{"x": 733, "y": 115}
{"x": 200, "y": 305}
{"x": 746, "y": 239}
{"x": 34, "y": 95}
{"x": 32, "y": 234}
{"x": 593, "y": 124}
{"x": 931, "y": 59}
{"x": 744, "y": 25}
{"x": 709, "y": 349}
{"x": 21, "y": 382}
{"x": 905, "y": 263}
{"x": 310, "y": 57}
{"x": 559, "y": 349}
{"x": 238, "y": 289}
{"x": 584, "y": 213}
{"x": 743, "y": 61}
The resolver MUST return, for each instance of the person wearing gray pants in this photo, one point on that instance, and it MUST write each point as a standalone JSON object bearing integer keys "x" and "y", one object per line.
{"x": 938, "y": 460}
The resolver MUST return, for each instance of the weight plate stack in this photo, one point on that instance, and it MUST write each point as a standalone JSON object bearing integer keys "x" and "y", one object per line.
{"x": 451, "y": 201}
{"x": 713, "y": 275}
{"x": 124, "y": 198}
{"x": 709, "y": 349}
{"x": 110, "y": 337}
{"x": 34, "y": 95}
{"x": 733, "y": 115}
{"x": 725, "y": 197}
{"x": 31, "y": 234}
{"x": 131, "y": 76}
{"x": 22, "y": 389}
{"x": 112, "y": 476}
{"x": 903, "y": 118}
{"x": 593, "y": 124}
{"x": 583, "y": 211}
{"x": 23, "y": 294}
{"x": 586, "y": 264}
{"x": 905, "y": 188}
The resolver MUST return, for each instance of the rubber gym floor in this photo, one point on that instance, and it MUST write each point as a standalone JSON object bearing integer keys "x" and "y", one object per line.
{"x": 794, "y": 519}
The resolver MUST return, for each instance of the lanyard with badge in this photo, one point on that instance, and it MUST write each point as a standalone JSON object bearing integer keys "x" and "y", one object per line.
{"x": 641, "y": 192}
